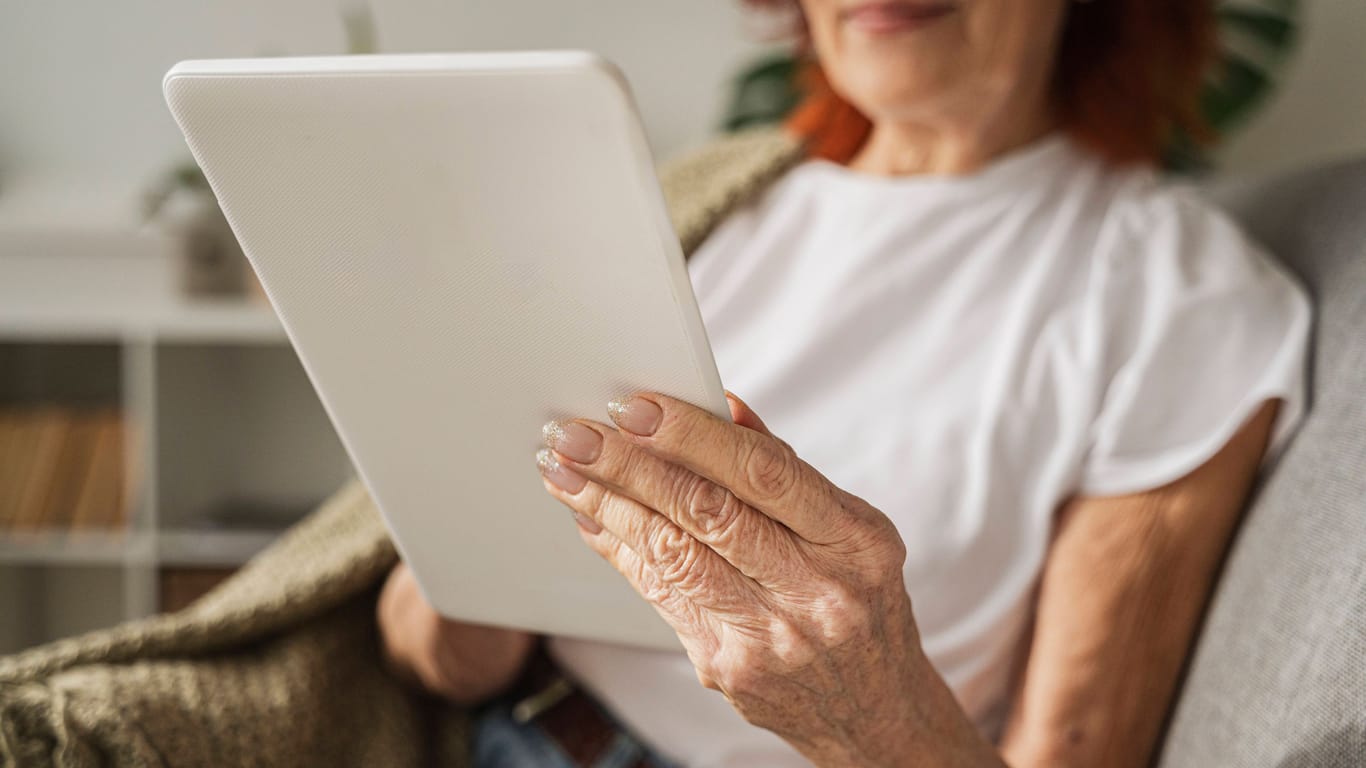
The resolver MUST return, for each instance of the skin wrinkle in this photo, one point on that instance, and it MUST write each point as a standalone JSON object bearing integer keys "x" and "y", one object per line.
{"x": 647, "y": 527}
{"x": 752, "y": 530}
{"x": 769, "y": 470}
{"x": 677, "y": 558}
{"x": 675, "y": 440}
{"x": 683, "y": 564}
{"x": 674, "y": 608}
{"x": 848, "y": 720}
{"x": 733, "y": 526}
{"x": 714, "y": 512}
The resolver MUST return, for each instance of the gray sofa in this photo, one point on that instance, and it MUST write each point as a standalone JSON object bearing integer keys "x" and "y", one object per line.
{"x": 1279, "y": 676}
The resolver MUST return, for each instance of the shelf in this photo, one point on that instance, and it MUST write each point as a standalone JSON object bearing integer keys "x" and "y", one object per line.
{"x": 112, "y": 283}
{"x": 231, "y": 443}
{"x": 175, "y": 547}
{"x": 73, "y": 547}
{"x": 199, "y": 321}
{"x": 228, "y": 533}
{"x": 212, "y": 547}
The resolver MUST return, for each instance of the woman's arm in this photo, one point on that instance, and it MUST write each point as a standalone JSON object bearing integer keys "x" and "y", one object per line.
{"x": 1120, "y": 600}
{"x": 466, "y": 663}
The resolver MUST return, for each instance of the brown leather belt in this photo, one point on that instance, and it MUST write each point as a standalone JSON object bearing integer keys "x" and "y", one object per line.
{"x": 569, "y": 716}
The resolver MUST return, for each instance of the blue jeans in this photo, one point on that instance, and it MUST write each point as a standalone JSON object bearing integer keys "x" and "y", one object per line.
{"x": 501, "y": 742}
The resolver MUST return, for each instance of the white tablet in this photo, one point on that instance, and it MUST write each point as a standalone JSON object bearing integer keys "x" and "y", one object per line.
{"x": 461, "y": 247}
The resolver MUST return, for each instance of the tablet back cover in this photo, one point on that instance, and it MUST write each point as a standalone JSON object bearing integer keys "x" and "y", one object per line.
{"x": 461, "y": 247}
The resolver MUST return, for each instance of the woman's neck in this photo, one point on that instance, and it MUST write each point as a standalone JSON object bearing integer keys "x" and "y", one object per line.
{"x": 896, "y": 148}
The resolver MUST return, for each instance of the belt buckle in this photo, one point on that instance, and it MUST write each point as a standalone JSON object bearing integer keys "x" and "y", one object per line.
{"x": 533, "y": 705}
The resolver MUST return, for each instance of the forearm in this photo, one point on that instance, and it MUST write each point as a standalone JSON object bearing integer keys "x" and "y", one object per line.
{"x": 947, "y": 737}
{"x": 926, "y": 728}
{"x": 1120, "y": 602}
{"x": 1111, "y": 634}
{"x": 465, "y": 663}
{"x": 1117, "y": 612}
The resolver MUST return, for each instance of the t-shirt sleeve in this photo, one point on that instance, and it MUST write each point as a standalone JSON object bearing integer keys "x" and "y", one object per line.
{"x": 1198, "y": 327}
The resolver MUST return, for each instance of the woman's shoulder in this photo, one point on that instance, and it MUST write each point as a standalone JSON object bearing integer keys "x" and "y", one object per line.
{"x": 1195, "y": 325}
{"x": 1167, "y": 230}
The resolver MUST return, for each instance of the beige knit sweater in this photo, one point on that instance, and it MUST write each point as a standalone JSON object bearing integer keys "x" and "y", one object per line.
{"x": 280, "y": 664}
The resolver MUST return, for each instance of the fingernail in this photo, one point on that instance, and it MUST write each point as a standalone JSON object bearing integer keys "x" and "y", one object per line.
{"x": 563, "y": 477}
{"x": 573, "y": 440}
{"x": 587, "y": 523}
{"x": 636, "y": 415}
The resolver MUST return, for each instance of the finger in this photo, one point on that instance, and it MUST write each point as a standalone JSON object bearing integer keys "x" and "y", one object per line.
{"x": 756, "y": 545}
{"x": 678, "y": 561}
{"x": 696, "y": 629}
{"x": 757, "y": 467}
{"x": 667, "y": 600}
{"x": 705, "y": 680}
{"x": 740, "y": 413}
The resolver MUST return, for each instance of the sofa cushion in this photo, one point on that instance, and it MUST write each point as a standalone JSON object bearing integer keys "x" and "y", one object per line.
{"x": 1279, "y": 675}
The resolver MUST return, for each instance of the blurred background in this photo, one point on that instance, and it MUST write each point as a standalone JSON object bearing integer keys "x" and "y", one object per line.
{"x": 156, "y": 429}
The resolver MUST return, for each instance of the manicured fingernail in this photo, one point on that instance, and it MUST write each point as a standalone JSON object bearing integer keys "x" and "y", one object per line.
{"x": 636, "y": 415}
{"x": 587, "y": 524}
{"x": 573, "y": 440}
{"x": 563, "y": 477}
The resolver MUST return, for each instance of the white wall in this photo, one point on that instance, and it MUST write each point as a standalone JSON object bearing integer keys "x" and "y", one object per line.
{"x": 80, "y": 80}
{"x": 1319, "y": 112}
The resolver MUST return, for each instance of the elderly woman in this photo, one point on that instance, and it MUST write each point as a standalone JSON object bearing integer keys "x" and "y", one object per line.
{"x": 1015, "y": 392}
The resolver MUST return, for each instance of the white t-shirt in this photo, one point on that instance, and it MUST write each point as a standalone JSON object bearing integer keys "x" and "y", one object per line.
{"x": 965, "y": 353}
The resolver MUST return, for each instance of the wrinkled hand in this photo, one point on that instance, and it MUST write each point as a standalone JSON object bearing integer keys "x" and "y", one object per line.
{"x": 786, "y": 591}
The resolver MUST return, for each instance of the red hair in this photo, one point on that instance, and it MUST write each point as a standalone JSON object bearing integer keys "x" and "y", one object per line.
{"x": 1127, "y": 79}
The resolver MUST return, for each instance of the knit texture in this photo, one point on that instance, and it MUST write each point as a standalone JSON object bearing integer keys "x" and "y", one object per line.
{"x": 280, "y": 664}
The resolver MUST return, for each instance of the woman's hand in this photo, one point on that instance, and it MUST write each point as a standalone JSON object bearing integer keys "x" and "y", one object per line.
{"x": 465, "y": 663}
{"x": 787, "y": 592}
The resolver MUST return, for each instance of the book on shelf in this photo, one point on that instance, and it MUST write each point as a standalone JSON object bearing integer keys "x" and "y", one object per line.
{"x": 101, "y": 502}
{"x": 16, "y": 437}
{"x": 78, "y": 450}
{"x": 49, "y": 426}
{"x": 63, "y": 468}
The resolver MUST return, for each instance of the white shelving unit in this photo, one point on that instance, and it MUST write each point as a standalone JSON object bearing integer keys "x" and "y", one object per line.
{"x": 228, "y": 444}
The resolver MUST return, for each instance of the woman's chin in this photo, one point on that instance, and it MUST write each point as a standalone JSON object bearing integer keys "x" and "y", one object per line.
{"x": 879, "y": 97}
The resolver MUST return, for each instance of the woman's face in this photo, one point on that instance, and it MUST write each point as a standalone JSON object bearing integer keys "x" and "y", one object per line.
{"x": 936, "y": 60}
